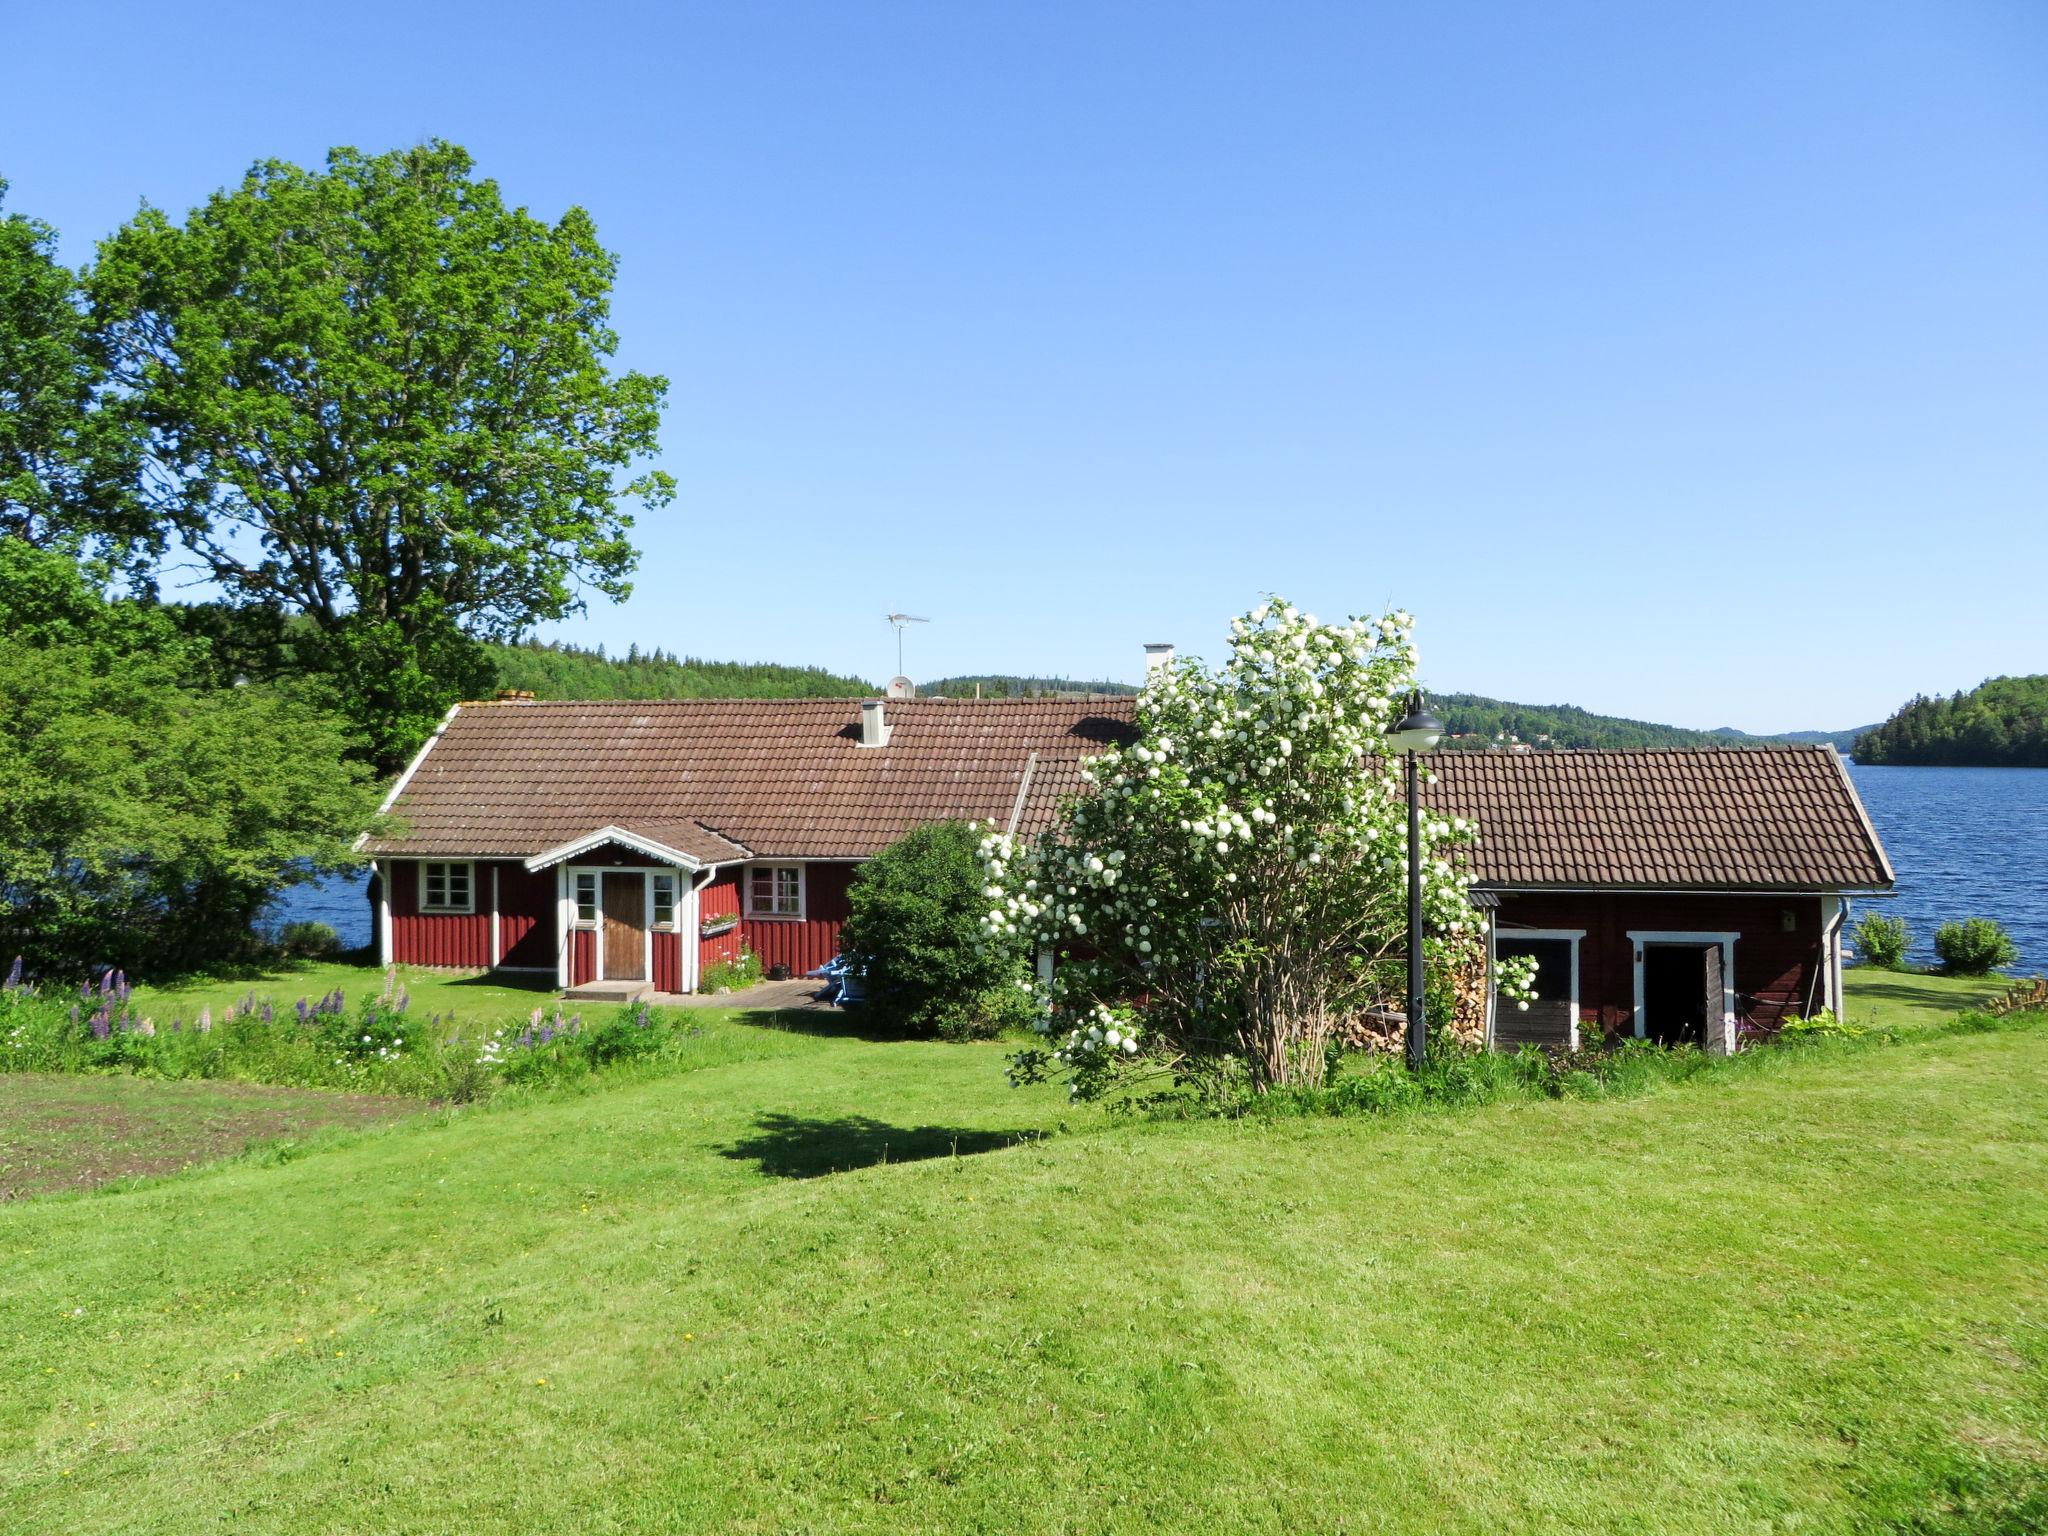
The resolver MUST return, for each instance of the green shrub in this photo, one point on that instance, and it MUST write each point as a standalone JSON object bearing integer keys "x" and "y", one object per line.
{"x": 308, "y": 941}
{"x": 1822, "y": 1026}
{"x": 736, "y": 974}
{"x": 914, "y": 927}
{"x": 1882, "y": 941}
{"x": 990, "y": 1014}
{"x": 1974, "y": 947}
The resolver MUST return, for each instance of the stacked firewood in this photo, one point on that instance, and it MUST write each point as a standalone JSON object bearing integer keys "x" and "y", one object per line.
{"x": 1384, "y": 1027}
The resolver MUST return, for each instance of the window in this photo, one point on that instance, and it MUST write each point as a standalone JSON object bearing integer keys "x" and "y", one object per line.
{"x": 586, "y": 898}
{"x": 445, "y": 888}
{"x": 775, "y": 890}
{"x": 1552, "y": 1017}
{"x": 664, "y": 901}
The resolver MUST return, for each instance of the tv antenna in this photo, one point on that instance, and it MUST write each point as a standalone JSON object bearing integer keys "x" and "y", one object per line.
{"x": 899, "y": 620}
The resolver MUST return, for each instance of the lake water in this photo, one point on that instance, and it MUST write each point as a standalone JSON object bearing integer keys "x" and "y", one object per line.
{"x": 342, "y": 902}
{"x": 1966, "y": 842}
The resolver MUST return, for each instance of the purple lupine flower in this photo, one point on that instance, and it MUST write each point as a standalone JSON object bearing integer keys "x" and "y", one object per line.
{"x": 177, "y": 1025}
{"x": 74, "y": 1015}
{"x": 102, "y": 1026}
{"x": 547, "y": 1034}
{"x": 85, "y": 991}
{"x": 13, "y": 982}
{"x": 121, "y": 984}
{"x": 266, "y": 1010}
{"x": 525, "y": 1041}
{"x": 404, "y": 999}
{"x": 305, "y": 1012}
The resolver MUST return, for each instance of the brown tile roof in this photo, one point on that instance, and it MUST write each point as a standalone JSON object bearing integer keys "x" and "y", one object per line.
{"x": 783, "y": 777}
{"x": 723, "y": 779}
{"x": 1771, "y": 818}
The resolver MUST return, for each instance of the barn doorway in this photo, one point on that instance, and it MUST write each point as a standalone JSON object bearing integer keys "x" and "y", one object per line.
{"x": 1683, "y": 992}
{"x": 625, "y": 926}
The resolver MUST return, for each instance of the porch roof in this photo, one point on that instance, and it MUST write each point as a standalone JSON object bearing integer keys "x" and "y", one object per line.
{"x": 685, "y": 844}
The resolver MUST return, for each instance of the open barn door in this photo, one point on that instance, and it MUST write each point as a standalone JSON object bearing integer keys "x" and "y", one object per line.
{"x": 1712, "y": 1010}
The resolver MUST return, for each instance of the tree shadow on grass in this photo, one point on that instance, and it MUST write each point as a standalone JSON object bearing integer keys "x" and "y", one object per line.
{"x": 825, "y": 1023}
{"x": 508, "y": 981}
{"x": 1904, "y": 991}
{"x": 795, "y": 1147}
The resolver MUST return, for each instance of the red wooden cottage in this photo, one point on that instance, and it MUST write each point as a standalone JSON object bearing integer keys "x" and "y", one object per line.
{"x": 1671, "y": 895}
{"x": 647, "y": 841}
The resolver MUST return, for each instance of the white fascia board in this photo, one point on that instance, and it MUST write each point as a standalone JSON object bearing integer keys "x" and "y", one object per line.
{"x": 624, "y": 839}
{"x": 411, "y": 768}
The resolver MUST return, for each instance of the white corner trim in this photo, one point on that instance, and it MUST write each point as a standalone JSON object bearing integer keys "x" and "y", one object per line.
{"x": 496, "y": 949}
{"x": 1638, "y": 937}
{"x": 625, "y": 839}
{"x": 411, "y": 768}
{"x": 383, "y": 868}
{"x": 1834, "y": 918}
{"x": 565, "y": 926}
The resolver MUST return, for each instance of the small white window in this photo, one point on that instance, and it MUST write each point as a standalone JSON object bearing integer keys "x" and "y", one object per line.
{"x": 586, "y": 898}
{"x": 445, "y": 888}
{"x": 775, "y": 890}
{"x": 664, "y": 901}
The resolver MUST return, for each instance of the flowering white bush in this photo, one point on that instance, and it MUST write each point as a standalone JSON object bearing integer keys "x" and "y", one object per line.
{"x": 1240, "y": 870}
{"x": 1514, "y": 977}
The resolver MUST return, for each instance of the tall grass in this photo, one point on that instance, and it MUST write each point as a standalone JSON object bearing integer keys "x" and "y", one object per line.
{"x": 378, "y": 1044}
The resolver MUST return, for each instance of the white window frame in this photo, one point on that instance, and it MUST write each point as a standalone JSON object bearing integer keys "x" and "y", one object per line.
{"x": 1639, "y": 937}
{"x": 446, "y": 908}
{"x": 655, "y": 921}
{"x": 754, "y": 914}
{"x": 596, "y": 879}
{"x": 1569, "y": 936}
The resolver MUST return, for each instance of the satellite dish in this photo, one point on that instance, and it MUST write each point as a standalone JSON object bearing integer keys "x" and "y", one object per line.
{"x": 902, "y": 688}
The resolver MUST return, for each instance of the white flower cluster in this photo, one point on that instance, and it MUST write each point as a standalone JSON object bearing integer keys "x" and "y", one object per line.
{"x": 1514, "y": 977}
{"x": 1105, "y": 1035}
{"x": 493, "y": 1052}
{"x": 1265, "y": 782}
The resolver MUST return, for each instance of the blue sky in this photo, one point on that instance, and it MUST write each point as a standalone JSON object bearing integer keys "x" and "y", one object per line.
{"x": 1686, "y": 362}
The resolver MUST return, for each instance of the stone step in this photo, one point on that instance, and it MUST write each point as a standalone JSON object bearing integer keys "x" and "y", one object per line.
{"x": 608, "y": 992}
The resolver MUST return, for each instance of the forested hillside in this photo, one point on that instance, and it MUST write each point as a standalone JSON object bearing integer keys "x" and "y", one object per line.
{"x": 2001, "y": 723}
{"x": 555, "y": 671}
{"x": 996, "y": 685}
{"x": 1476, "y": 721}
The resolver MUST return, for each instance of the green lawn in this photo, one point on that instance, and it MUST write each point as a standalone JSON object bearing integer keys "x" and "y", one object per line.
{"x": 1906, "y": 999}
{"x": 1812, "y": 1297}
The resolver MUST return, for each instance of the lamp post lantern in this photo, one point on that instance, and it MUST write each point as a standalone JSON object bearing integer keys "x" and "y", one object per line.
{"x": 1416, "y": 732}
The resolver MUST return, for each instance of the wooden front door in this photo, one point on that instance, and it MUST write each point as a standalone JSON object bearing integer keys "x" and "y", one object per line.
{"x": 625, "y": 927}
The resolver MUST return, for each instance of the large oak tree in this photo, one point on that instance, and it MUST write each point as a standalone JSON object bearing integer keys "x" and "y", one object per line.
{"x": 379, "y": 397}
{"x": 67, "y": 446}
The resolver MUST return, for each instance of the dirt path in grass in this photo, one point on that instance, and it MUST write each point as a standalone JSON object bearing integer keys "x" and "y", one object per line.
{"x": 59, "y": 1132}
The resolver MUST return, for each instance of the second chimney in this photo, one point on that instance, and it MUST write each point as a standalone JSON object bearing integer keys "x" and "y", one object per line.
{"x": 1158, "y": 657}
{"x": 874, "y": 728}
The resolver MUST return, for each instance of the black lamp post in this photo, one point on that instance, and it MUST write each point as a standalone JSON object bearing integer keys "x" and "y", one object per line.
{"x": 1415, "y": 733}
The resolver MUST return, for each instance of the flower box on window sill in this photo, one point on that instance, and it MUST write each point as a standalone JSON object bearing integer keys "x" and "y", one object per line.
{"x": 713, "y": 926}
